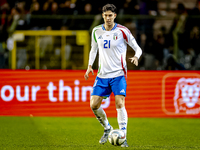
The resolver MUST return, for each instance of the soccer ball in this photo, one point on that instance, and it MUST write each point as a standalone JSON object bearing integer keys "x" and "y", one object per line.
{"x": 116, "y": 137}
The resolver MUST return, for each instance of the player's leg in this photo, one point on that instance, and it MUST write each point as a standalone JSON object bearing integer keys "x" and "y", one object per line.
{"x": 101, "y": 89}
{"x": 95, "y": 104}
{"x": 118, "y": 86}
{"x": 122, "y": 116}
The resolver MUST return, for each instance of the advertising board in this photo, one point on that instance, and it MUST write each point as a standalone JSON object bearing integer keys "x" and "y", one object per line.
{"x": 67, "y": 93}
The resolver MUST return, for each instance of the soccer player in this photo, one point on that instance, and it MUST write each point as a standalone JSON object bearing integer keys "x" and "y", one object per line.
{"x": 110, "y": 40}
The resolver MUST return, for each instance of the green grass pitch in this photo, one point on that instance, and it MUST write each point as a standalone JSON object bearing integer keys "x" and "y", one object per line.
{"x": 63, "y": 133}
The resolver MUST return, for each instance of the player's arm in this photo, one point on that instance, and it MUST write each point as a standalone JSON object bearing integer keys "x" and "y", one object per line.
{"x": 92, "y": 55}
{"x": 89, "y": 69}
{"x": 133, "y": 44}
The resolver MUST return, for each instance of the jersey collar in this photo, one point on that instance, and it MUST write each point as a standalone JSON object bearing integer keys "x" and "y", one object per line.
{"x": 111, "y": 29}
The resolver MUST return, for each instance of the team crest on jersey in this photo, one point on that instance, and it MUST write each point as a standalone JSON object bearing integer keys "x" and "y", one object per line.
{"x": 115, "y": 36}
{"x": 187, "y": 96}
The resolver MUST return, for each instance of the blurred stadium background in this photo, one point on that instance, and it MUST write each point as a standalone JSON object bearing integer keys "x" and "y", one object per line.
{"x": 166, "y": 30}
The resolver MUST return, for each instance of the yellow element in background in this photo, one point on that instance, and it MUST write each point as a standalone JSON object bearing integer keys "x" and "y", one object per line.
{"x": 82, "y": 38}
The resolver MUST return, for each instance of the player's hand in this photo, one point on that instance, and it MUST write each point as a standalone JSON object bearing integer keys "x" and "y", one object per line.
{"x": 88, "y": 72}
{"x": 134, "y": 60}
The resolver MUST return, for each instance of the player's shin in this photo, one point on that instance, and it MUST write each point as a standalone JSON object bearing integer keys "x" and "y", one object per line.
{"x": 101, "y": 117}
{"x": 122, "y": 119}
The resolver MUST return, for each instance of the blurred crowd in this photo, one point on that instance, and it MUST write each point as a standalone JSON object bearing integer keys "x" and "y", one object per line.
{"x": 173, "y": 48}
{"x": 38, "y": 14}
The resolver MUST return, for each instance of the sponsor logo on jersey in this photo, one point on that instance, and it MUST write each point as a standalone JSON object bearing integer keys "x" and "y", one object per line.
{"x": 115, "y": 36}
{"x": 186, "y": 96}
{"x": 100, "y": 37}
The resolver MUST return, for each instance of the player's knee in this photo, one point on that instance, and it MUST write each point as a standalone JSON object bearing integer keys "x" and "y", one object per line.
{"x": 95, "y": 102}
{"x": 119, "y": 105}
{"x": 94, "y": 105}
{"x": 119, "y": 101}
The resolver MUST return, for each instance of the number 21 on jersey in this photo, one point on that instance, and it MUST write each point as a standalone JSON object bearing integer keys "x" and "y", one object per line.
{"x": 106, "y": 44}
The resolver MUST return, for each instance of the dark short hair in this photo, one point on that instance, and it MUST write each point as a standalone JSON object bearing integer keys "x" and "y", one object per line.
{"x": 110, "y": 7}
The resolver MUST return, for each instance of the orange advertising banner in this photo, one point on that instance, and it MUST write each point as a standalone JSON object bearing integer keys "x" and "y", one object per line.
{"x": 66, "y": 93}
